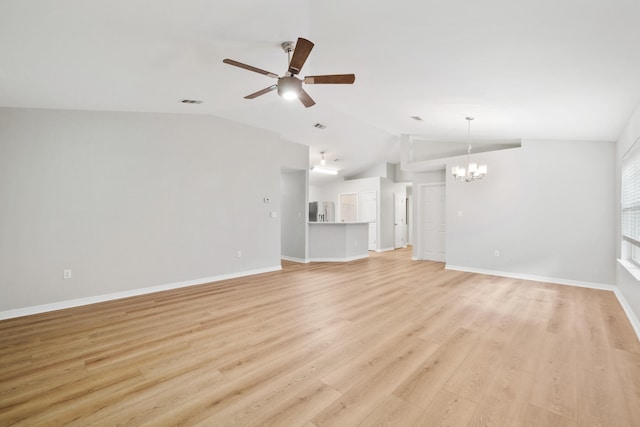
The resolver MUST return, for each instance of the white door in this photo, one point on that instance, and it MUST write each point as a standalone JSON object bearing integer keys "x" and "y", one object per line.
{"x": 369, "y": 213}
{"x": 349, "y": 207}
{"x": 400, "y": 220}
{"x": 432, "y": 223}
{"x": 410, "y": 225}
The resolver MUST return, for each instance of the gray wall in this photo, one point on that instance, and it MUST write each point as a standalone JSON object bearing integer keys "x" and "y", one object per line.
{"x": 548, "y": 207}
{"x": 129, "y": 201}
{"x": 627, "y": 284}
{"x": 381, "y": 170}
{"x": 294, "y": 214}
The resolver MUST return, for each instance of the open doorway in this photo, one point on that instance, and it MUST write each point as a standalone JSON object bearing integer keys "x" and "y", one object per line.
{"x": 293, "y": 215}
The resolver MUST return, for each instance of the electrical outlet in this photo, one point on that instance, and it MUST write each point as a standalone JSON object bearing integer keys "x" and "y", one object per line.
{"x": 496, "y": 252}
{"x": 239, "y": 254}
{"x": 66, "y": 274}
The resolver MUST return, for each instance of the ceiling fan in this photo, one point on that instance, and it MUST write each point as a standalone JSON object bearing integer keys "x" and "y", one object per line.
{"x": 289, "y": 86}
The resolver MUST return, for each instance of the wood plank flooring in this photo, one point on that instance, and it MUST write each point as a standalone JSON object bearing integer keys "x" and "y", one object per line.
{"x": 375, "y": 342}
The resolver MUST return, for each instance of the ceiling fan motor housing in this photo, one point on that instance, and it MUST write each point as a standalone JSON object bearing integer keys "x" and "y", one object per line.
{"x": 288, "y": 46}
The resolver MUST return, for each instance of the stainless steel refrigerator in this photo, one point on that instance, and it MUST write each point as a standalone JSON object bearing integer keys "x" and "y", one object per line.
{"x": 321, "y": 212}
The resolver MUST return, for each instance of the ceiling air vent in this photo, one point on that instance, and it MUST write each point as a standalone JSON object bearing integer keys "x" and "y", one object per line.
{"x": 319, "y": 126}
{"x": 191, "y": 101}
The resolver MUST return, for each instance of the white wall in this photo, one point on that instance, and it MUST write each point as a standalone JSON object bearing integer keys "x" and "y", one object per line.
{"x": 548, "y": 207}
{"x": 627, "y": 285}
{"x": 294, "y": 215}
{"x": 331, "y": 191}
{"x": 401, "y": 175}
{"x": 381, "y": 170}
{"x": 129, "y": 201}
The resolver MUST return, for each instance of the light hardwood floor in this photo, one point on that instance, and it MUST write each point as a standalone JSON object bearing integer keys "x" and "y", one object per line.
{"x": 381, "y": 341}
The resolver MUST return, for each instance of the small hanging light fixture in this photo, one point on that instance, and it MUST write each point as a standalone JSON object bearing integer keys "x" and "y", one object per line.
{"x": 473, "y": 170}
{"x": 322, "y": 168}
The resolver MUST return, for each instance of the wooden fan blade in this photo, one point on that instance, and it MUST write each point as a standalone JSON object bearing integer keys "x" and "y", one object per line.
{"x": 300, "y": 55}
{"x": 250, "y": 68}
{"x": 306, "y": 99}
{"x": 346, "y": 79}
{"x": 261, "y": 92}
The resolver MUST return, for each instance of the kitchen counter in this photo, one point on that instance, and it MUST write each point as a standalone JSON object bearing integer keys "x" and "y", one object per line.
{"x": 338, "y": 241}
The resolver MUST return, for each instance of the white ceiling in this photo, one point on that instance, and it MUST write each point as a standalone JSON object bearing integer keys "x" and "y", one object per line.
{"x": 544, "y": 69}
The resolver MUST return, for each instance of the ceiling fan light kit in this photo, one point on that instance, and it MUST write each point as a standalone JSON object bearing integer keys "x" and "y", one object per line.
{"x": 324, "y": 170}
{"x": 289, "y": 86}
{"x": 473, "y": 171}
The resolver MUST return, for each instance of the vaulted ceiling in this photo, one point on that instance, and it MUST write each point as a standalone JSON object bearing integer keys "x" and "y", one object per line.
{"x": 561, "y": 69}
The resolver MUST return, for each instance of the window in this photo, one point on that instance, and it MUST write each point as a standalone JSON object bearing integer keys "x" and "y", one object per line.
{"x": 631, "y": 207}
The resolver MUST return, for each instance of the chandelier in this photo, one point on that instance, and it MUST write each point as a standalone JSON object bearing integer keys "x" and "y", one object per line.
{"x": 473, "y": 171}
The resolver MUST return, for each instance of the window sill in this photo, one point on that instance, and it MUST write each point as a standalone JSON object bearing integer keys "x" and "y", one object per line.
{"x": 632, "y": 268}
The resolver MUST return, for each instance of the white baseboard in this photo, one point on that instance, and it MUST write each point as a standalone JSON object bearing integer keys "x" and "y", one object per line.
{"x": 602, "y": 286}
{"x": 633, "y": 319}
{"x": 346, "y": 259}
{"x": 533, "y": 278}
{"x": 294, "y": 259}
{"x": 386, "y": 249}
{"x": 26, "y": 311}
